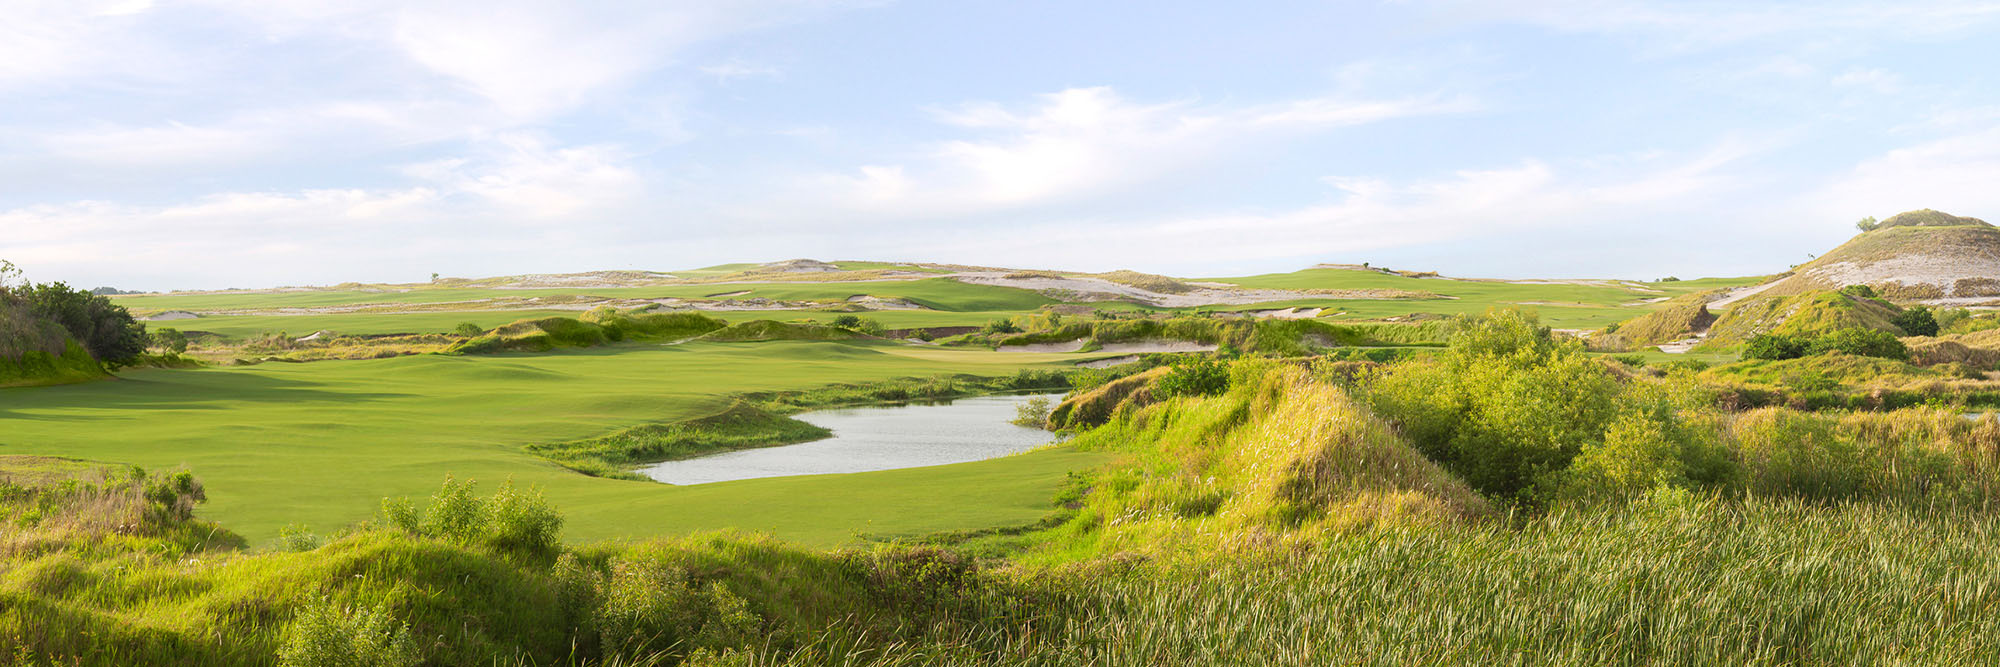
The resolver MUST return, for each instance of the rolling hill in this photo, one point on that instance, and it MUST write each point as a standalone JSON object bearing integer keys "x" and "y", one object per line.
{"x": 1926, "y": 256}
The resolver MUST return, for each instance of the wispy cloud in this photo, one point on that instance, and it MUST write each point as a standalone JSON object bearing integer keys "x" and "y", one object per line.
{"x": 1081, "y": 141}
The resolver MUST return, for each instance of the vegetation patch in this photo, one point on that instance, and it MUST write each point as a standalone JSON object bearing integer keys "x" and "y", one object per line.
{"x": 756, "y": 331}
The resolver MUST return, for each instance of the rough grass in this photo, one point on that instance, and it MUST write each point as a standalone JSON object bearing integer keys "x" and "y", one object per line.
{"x": 770, "y": 330}
{"x": 1929, "y": 218}
{"x": 1677, "y": 319}
{"x": 1279, "y": 456}
{"x": 1808, "y": 314}
{"x": 1149, "y": 282}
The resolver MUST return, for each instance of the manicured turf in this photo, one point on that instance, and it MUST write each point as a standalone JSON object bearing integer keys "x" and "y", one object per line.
{"x": 322, "y": 443}
{"x": 936, "y": 293}
{"x": 241, "y": 326}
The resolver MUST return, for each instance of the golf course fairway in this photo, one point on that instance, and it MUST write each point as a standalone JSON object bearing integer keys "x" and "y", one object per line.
{"x": 321, "y": 444}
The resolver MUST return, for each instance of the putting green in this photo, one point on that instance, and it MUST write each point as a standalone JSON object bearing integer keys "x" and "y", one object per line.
{"x": 322, "y": 443}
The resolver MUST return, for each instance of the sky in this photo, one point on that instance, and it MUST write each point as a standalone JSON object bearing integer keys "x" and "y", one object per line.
{"x": 205, "y": 144}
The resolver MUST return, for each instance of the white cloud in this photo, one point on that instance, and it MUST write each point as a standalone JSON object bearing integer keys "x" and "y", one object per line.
{"x": 1695, "y": 24}
{"x": 1955, "y": 174}
{"x": 1873, "y": 79}
{"x": 1083, "y": 141}
{"x": 523, "y": 175}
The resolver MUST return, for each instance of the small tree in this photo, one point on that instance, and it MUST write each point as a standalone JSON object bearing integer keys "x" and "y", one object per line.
{"x": 171, "y": 340}
{"x": 847, "y": 322}
{"x": 1916, "y": 321}
{"x": 468, "y": 329}
{"x": 8, "y": 274}
{"x": 1868, "y": 224}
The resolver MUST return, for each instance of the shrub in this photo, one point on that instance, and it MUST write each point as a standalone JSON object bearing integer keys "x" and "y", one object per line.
{"x": 1635, "y": 456}
{"x": 1861, "y": 342}
{"x": 1859, "y": 291}
{"x": 1197, "y": 377}
{"x": 1775, "y": 347}
{"x": 847, "y": 322}
{"x": 1034, "y": 413}
{"x": 469, "y": 330}
{"x": 1916, "y": 321}
{"x": 512, "y": 521}
{"x": 647, "y": 609}
{"x": 171, "y": 340}
{"x": 105, "y": 328}
{"x": 324, "y": 634}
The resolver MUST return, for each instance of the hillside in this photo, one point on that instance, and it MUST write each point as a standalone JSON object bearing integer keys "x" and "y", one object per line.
{"x": 1922, "y": 255}
{"x": 1801, "y": 314}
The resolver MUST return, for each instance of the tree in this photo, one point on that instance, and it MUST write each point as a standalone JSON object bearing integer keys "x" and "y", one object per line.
{"x": 434, "y": 276}
{"x": 469, "y": 330}
{"x": 104, "y": 328}
{"x": 1868, "y": 224}
{"x": 171, "y": 340}
{"x": 1916, "y": 321}
{"x": 8, "y": 273}
{"x": 847, "y": 322}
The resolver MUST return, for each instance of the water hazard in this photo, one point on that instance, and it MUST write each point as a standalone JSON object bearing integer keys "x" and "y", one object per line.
{"x": 874, "y": 438}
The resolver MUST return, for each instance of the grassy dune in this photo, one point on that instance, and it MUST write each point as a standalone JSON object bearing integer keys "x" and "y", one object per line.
{"x": 321, "y": 443}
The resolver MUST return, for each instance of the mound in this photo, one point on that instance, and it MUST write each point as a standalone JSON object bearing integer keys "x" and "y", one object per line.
{"x": 1681, "y": 318}
{"x": 1809, "y": 314}
{"x": 1836, "y": 368}
{"x": 1979, "y": 350}
{"x": 1148, "y": 282}
{"x": 599, "y": 326}
{"x": 1929, "y": 218}
{"x": 1916, "y": 256}
{"x": 769, "y": 330}
{"x": 1097, "y": 406}
{"x": 797, "y": 266}
{"x": 1279, "y": 455}
{"x": 634, "y": 324}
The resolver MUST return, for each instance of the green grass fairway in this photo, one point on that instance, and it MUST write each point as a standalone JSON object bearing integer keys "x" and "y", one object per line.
{"x": 322, "y": 443}
{"x": 936, "y": 293}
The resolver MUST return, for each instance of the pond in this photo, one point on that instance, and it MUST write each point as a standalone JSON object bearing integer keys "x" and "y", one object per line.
{"x": 874, "y": 438}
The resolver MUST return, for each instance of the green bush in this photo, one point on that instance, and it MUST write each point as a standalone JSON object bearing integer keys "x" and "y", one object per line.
{"x": 1859, "y": 291}
{"x": 1195, "y": 377}
{"x": 171, "y": 340}
{"x": 511, "y": 521}
{"x": 647, "y": 610}
{"x": 1861, "y": 342}
{"x": 1775, "y": 347}
{"x": 104, "y": 328}
{"x": 324, "y": 634}
{"x": 1505, "y": 408}
{"x": 1916, "y": 321}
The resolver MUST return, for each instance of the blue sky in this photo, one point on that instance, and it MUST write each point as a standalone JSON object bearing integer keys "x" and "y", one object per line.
{"x": 215, "y": 143}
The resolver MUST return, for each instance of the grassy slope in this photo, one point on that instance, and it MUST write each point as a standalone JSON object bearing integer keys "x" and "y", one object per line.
{"x": 939, "y": 293}
{"x": 1560, "y": 305}
{"x": 322, "y": 443}
{"x": 1890, "y": 243}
